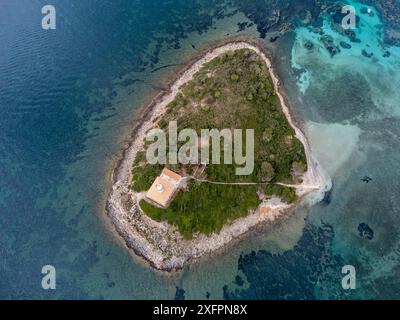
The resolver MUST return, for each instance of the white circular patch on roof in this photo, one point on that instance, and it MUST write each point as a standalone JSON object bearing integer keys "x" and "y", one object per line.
{"x": 159, "y": 187}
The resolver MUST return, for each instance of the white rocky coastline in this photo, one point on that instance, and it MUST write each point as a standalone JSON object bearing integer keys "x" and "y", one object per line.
{"x": 161, "y": 244}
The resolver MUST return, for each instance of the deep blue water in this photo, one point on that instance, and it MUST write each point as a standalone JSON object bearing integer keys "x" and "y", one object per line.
{"x": 67, "y": 101}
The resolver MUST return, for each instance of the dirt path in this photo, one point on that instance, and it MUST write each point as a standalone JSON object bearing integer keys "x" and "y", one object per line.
{"x": 296, "y": 186}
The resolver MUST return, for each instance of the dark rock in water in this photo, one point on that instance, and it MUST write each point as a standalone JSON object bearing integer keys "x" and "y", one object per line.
{"x": 179, "y": 294}
{"x": 366, "y": 179}
{"x": 239, "y": 281}
{"x": 225, "y": 290}
{"x": 366, "y": 54}
{"x": 337, "y": 17}
{"x": 193, "y": 46}
{"x": 330, "y": 45}
{"x": 352, "y": 36}
{"x": 365, "y": 231}
{"x": 273, "y": 39}
{"x": 208, "y": 295}
{"x": 241, "y": 26}
{"x": 345, "y": 45}
{"x": 333, "y": 50}
{"x": 308, "y": 45}
{"x": 327, "y": 197}
{"x": 386, "y": 54}
{"x": 262, "y": 30}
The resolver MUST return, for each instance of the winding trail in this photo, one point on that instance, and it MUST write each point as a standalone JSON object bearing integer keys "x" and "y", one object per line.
{"x": 296, "y": 186}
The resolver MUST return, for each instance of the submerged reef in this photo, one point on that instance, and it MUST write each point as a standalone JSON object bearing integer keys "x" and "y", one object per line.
{"x": 365, "y": 231}
{"x": 313, "y": 268}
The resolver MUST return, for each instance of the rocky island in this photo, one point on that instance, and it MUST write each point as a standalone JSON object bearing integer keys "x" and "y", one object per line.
{"x": 171, "y": 213}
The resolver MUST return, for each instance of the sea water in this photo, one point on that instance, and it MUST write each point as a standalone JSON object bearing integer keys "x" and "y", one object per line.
{"x": 68, "y": 99}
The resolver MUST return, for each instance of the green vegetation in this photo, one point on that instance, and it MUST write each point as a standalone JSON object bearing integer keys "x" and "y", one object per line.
{"x": 232, "y": 91}
{"x": 206, "y": 207}
{"x": 199, "y": 211}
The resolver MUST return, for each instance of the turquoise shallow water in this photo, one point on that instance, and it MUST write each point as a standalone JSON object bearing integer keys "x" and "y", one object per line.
{"x": 68, "y": 100}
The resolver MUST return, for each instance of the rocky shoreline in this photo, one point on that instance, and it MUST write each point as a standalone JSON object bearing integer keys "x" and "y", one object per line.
{"x": 161, "y": 244}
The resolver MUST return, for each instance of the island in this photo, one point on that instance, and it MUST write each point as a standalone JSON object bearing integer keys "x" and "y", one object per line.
{"x": 173, "y": 212}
